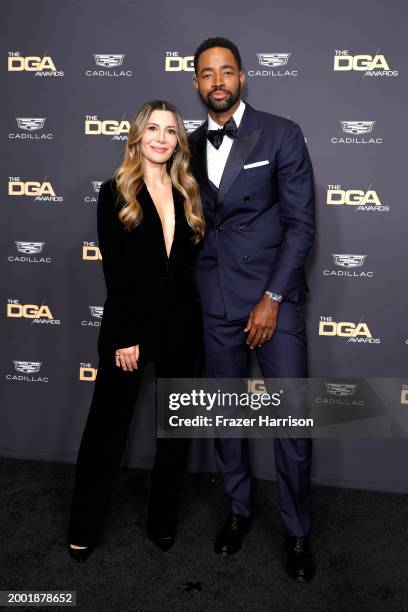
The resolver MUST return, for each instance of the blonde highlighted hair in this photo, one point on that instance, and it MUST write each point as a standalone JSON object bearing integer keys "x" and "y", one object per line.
{"x": 129, "y": 175}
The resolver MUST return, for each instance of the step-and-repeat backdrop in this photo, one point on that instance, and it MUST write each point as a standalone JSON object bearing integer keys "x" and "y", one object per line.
{"x": 73, "y": 76}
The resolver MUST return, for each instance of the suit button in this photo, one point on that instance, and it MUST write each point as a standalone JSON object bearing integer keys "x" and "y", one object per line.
{"x": 247, "y": 198}
{"x": 245, "y": 258}
{"x": 219, "y": 228}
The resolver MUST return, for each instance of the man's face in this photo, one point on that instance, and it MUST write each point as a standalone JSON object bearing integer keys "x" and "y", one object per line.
{"x": 218, "y": 79}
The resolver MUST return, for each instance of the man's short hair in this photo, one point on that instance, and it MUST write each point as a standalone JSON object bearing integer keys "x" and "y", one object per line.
{"x": 217, "y": 41}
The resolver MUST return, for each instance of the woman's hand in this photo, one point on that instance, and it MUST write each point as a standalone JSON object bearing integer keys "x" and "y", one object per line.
{"x": 127, "y": 358}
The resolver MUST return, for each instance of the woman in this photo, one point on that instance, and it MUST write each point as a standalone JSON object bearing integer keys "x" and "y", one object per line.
{"x": 150, "y": 223}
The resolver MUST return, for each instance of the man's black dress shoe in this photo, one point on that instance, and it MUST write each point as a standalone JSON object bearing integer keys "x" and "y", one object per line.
{"x": 79, "y": 554}
{"x": 163, "y": 540}
{"x": 229, "y": 540}
{"x": 299, "y": 563}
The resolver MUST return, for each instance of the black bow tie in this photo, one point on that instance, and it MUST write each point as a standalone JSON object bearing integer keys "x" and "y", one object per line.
{"x": 217, "y": 136}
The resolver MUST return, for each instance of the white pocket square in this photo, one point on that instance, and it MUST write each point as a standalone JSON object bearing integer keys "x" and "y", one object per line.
{"x": 265, "y": 162}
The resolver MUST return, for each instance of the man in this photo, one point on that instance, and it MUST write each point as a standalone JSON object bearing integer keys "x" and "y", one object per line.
{"x": 257, "y": 190}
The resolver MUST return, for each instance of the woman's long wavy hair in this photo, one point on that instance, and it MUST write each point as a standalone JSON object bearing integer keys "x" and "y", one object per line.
{"x": 129, "y": 175}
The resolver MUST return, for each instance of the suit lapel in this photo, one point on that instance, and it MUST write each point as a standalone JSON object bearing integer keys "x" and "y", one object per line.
{"x": 241, "y": 149}
{"x": 179, "y": 214}
{"x": 199, "y": 160}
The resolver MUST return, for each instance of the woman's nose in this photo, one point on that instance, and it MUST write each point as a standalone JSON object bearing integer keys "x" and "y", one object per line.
{"x": 161, "y": 136}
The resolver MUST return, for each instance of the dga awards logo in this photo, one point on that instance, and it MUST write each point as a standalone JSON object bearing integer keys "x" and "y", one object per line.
{"x": 190, "y": 125}
{"x": 117, "y": 130}
{"x": 29, "y": 252}
{"x": 29, "y": 127}
{"x": 96, "y": 314}
{"x": 109, "y": 65}
{"x": 37, "y": 191}
{"x": 91, "y": 252}
{"x": 339, "y": 394}
{"x": 87, "y": 372}
{"x": 358, "y": 333}
{"x": 26, "y": 372}
{"x": 367, "y": 65}
{"x": 38, "y": 314}
{"x": 92, "y": 199}
{"x": 357, "y": 200}
{"x": 273, "y": 65}
{"x": 359, "y": 133}
{"x": 32, "y": 64}
{"x": 174, "y": 62}
{"x": 348, "y": 266}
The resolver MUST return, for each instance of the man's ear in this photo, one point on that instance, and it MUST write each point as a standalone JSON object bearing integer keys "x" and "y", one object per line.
{"x": 195, "y": 82}
{"x": 242, "y": 77}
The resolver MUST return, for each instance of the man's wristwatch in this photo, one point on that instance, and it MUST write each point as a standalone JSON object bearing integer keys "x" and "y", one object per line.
{"x": 274, "y": 297}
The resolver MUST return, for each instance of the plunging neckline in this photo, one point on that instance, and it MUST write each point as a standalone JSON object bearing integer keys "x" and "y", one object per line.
{"x": 168, "y": 255}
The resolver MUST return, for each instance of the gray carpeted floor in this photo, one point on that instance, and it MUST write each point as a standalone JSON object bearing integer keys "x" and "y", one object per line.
{"x": 360, "y": 541}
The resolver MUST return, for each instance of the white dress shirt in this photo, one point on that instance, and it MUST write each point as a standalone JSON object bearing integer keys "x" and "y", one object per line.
{"x": 217, "y": 158}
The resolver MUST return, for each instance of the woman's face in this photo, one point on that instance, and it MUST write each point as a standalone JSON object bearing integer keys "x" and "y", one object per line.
{"x": 159, "y": 138}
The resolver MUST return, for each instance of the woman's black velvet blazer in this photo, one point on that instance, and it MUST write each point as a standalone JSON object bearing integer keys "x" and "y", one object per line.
{"x": 144, "y": 286}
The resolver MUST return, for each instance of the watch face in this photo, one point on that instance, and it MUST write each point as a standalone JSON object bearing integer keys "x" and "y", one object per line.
{"x": 274, "y": 296}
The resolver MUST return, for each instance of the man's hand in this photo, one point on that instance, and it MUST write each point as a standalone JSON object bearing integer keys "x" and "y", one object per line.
{"x": 262, "y": 322}
{"x": 127, "y": 358}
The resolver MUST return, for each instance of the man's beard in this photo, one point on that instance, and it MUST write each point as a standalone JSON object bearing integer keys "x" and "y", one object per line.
{"x": 221, "y": 106}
